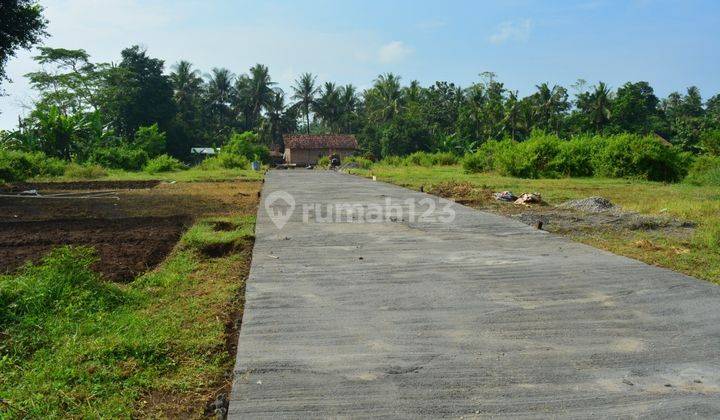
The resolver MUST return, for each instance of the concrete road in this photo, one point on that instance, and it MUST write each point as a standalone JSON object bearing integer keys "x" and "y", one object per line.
{"x": 482, "y": 316}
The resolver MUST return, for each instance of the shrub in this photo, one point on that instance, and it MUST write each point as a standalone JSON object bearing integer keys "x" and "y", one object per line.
{"x": 19, "y": 166}
{"x": 323, "y": 162}
{"x": 574, "y": 157}
{"x": 705, "y": 170}
{"x": 76, "y": 171}
{"x": 151, "y": 140}
{"x": 445, "y": 158}
{"x": 246, "y": 144}
{"x": 483, "y": 160}
{"x": 122, "y": 157}
{"x": 529, "y": 159}
{"x": 391, "y": 161}
{"x": 362, "y": 162}
{"x": 710, "y": 142}
{"x": 629, "y": 155}
{"x": 225, "y": 161}
{"x": 163, "y": 163}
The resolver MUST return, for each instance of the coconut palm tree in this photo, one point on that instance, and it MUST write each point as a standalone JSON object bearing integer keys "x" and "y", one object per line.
{"x": 328, "y": 107}
{"x": 549, "y": 104}
{"x": 388, "y": 95}
{"x": 348, "y": 105}
{"x": 186, "y": 82}
{"x": 220, "y": 94}
{"x": 304, "y": 92}
{"x": 599, "y": 105}
{"x": 256, "y": 92}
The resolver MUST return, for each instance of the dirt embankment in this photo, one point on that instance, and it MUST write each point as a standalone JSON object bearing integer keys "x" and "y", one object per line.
{"x": 132, "y": 229}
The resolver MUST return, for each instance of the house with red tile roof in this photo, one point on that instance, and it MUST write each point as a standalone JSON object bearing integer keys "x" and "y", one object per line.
{"x": 306, "y": 149}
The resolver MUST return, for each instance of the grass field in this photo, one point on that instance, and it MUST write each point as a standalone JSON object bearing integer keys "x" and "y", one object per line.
{"x": 698, "y": 255}
{"x": 189, "y": 175}
{"x": 75, "y": 345}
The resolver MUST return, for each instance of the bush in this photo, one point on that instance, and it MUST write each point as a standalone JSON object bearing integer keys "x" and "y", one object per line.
{"x": 529, "y": 159}
{"x": 705, "y": 170}
{"x": 363, "y": 163}
{"x": 323, "y": 162}
{"x": 19, "y": 166}
{"x": 122, "y": 157}
{"x": 629, "y": 155}
{"x": 391, "y": 161}
{"x": 151, "y": 140}
{"x": 710, "y": 142}
{"x": 226, "y": 161}
{"x": 483, "y": 160}
{"x": 574, "y": 158}
{"x": 246, "y": 144}
{"x": 76, "y": 171}
{"x": 163, "y": 163}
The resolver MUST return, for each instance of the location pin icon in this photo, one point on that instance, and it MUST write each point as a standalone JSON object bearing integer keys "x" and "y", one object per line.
{"x": 279, "y": 206}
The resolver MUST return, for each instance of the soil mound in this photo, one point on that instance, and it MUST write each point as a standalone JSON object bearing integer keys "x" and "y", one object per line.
{"x": 590, "y": 205}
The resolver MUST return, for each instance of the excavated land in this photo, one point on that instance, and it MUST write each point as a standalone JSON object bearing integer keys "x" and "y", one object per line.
{"x": 132, "y": 225}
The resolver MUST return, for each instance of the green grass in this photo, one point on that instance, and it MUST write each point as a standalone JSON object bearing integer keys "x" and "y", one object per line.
{"x": 698, "y": 256}
{"x": 194, "y": 174}
{"x": 73, "y": 345}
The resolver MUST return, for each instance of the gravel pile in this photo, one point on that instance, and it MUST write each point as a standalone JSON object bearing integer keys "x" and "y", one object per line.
{"x": 590, "y": 205}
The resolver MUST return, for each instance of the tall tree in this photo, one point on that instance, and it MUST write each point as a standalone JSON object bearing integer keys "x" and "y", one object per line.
{"x": 220, "y": 97}
{"x": 635, "y": 108}
{"x": 596, "y": 106}
{"x": 385, "y": 98}
{"x": 67, "y": 80}
{"x": 139, "y": 93}
{"x": 256, "y": 92}
{"x": 328, "y": 108}
{"x": 304, "y": 91}
{"x": 550, "y": 105}
{"x": 21, "y": 26}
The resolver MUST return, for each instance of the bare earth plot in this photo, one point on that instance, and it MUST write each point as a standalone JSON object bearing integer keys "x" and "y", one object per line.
{"x": 482, "y": 316}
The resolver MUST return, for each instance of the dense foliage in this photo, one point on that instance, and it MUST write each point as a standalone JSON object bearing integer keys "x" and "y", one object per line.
{"x": 124, "y": 116}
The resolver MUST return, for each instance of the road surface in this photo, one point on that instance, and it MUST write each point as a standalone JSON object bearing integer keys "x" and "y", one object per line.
{"x": 481, "y": 316}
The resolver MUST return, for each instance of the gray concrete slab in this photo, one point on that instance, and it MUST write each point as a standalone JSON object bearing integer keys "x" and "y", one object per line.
{"x": 483, "y": 316}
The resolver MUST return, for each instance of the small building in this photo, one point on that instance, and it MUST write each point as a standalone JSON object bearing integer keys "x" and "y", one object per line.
{"x": 306, "y": 149}
{"x": 199, "y": 154}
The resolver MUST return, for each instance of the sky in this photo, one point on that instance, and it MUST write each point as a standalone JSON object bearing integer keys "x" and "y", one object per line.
{"x": 672, "y": 44}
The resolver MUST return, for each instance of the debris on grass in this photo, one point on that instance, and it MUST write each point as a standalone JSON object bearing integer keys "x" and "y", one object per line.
{"x": 590, "y": 204}
{"x": 505, "y": 196}
{"x": 529, "y": 198}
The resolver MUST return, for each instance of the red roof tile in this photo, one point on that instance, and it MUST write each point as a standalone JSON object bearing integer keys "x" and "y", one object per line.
{"x": 321, "y": 141}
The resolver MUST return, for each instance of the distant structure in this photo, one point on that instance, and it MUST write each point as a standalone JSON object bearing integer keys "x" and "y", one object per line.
{"x": 306, "y": 149}
{"x": 200, "y": 153}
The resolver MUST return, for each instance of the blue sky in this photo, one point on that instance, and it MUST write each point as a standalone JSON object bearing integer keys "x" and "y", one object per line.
{"x": 670, "y": 43}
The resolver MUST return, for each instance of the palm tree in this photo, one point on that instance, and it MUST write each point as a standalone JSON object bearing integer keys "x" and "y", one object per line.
{"x": 327, "y": 106}
{"x": 348, "y": 105}
{"x": 186, "y": 82}
{"x": 220, "y": 94}
{"x": 389, "y": 95}
{"x": 276, "y": 120}
{"x": 599, "y": 103}
{"x": 304, "y": 92}
{"x": 550, "y": 103}
{"x": 256, "y": 91}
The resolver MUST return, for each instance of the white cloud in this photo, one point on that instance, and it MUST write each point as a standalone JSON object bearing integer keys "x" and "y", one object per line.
{"x": 394, "y": 52}
{"x": 518, "y": 31}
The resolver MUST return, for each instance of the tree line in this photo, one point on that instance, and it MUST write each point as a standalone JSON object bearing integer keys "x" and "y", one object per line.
{"x": 85, "y": 106}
